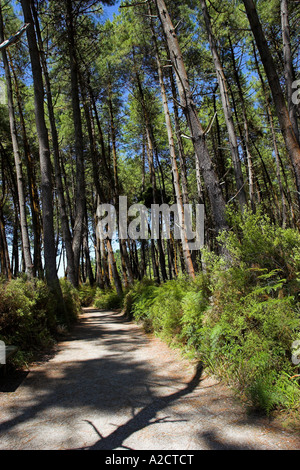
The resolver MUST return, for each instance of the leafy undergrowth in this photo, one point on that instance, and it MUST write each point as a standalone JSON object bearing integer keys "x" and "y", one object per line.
{"x": 108, "y": 299}
{"x": 87, "y": 294}
{"x": 29, "y": 315}
{"x": 240, "y": 317}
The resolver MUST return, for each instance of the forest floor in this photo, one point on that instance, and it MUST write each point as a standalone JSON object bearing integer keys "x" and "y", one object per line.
{"x": 108, "y": 386}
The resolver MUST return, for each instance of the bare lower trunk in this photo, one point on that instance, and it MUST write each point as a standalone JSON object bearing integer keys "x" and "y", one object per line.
{"x": 176, "y": 181}
{"x": 241, "y": 194}
{"x": 181, "y": 154}
{"x": 288, "y": 65}
{"x": 276, "y": 151}
{"x": 114, "y": 269}
{"x": 5, "y": 261}
{"x": 80, "y": 178}
{"x": 18, "y": 162}
{"x": 58, "y": 179}
{"x": 246, "y": 130}
{"x": 44, "y": 152}
{"x": 33, "y": 192}
{"x": 286, "y": 127}
{"x": 197, "y": 133}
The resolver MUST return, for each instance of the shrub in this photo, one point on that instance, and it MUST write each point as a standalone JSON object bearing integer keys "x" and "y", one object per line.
{"x": 137, "y": 302}
{"x": 248, "y": 331}
{"x": 173, "y": 310}
{"x": 87, "y": 294}
{"x": 28, "y": 316}
{"x": 108, "y": 299}
{"x": 241, "y": 317}
{"x": 166, "y": 310}
{"x": 137, "y": 291}
{"x": 71, "y": 300}
{"x": 256, "y": 243}
{"x": 194, "y": 304}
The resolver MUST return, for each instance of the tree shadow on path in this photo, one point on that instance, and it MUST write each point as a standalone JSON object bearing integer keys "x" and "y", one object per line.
{"x": 109, "y": 371}
{"x": 97, "y": 373}
{"x": 143, "y": 418}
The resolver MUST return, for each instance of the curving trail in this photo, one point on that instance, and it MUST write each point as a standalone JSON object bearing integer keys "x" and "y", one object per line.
{"x": 110, "y": 386}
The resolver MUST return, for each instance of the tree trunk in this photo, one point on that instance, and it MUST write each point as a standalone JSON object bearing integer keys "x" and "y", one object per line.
{"x": 80, "y": 178}
{"x": 276, "y": 151}
{"x": 99, "y": 273}
{"x": 246, "y": 129}
{"x": 44, "y": 152}
{"x": 197, "y": 134}
{"x": 286, "y": 127}
{"x": 176, "y": 180}
{"x": 241, "y": 194}
{"x": 220, "y": 157}
{"x": 288, "y": 65}
{"x": 126, "y": 268}
{"x": 18, "y": 162}
{"x": 33, "y": 192}
{"x": 5, "y": 261}
{"x": 71, "y": 273}
{"x": 114, "y": 269}
{"x": 15, "y": 248}
{"x": 150, "y": 156}
{"x": 181, "y": 154}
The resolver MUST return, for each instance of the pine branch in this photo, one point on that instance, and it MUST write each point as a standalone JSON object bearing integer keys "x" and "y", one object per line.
{"x": 15, "y": 38}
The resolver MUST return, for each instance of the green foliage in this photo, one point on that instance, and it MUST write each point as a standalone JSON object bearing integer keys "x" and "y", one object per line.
{"x": 107, "y": 299}
{"x": 256, "y": 242}
{"x": 194, "y": 304}
{"x": 240, "y": 318}
{"x": 166, "y": 309}
{"x": 173, "y": 310}
{"x": 28, "y": 316}
{"x": 138, "y": 300}
{"x": 254, "y": 314}
{"x": 86, "y": 294}
{"x": 71, "y": 301}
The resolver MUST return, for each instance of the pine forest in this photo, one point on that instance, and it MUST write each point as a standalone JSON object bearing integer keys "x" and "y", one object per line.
{"x": 109, "y": 110}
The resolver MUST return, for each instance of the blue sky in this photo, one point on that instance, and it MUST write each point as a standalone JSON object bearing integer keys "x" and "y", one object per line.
{"x": 109, "y": 11}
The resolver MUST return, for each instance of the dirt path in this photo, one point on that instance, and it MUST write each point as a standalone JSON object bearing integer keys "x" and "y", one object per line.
{"x": 111, "y": 387}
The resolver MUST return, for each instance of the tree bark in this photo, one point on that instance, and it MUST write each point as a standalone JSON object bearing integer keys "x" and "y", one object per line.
{"x": 181, "y": 154}
{"x": 33, "y": 192}
{"x": 150, "y": 156}
{"x": 67, "y": 237}
{"x": 276, "y": 151}
{"x": 44, "y": 152}
{"x": 176, "y": 180}
{"x": 5, "y": 261}
{"x": 233, "y": 143}
{"x": 80, "y": 178}
{"x": 286, "y": 127}
{"x": 18, "y": 162}
{"x": 197, "y": 133}
{"x": 126, "y": 268}
{"x": 246, "y": 129}
{"x": 288, "y": 65}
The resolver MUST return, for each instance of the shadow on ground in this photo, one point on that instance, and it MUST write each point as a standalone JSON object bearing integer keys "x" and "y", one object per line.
{"x": 143, "y": 418}
{"x": 114, "y": 382}
{"x": 102, "y": 384}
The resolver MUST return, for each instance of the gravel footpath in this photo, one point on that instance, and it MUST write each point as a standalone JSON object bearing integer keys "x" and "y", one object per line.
{"x": 110, "y": 386}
